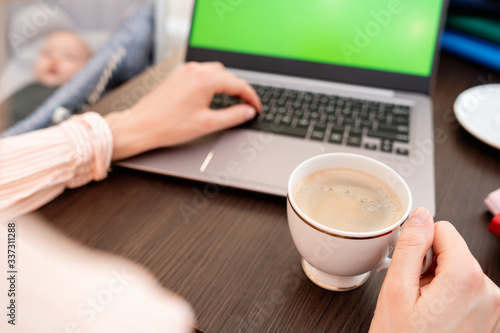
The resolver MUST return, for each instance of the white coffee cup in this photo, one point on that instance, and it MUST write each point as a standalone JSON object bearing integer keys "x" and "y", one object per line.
{"x": 342, "y": 260}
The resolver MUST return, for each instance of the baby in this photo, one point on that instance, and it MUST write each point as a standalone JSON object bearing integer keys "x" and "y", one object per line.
{"x": 62, "y": 56}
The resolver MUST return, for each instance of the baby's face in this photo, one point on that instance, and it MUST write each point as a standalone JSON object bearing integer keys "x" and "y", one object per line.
{"x": 63, "y": 55}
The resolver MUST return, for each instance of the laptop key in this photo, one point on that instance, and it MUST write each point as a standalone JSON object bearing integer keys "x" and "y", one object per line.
{"x": 364, "y": 114}
{"x": 355, "y": 132}
{"x": 298, "y": 113}
{"x": 324, "y": 99}
{"x": 366, "y": 124}
{"x": 332, "y": 118}
{"x": 336, "y": 138}
{"x": 389, "y": 136}
{"x": 314, "y": 115}
{"x": 386, "y": 146}
{"x": 348, "y": 121}
{"x": 338, "y": 129}
{"x": 402, "y": 120}
{"x": 403, "y": 129}
{"x": 354, "y": 139}
{"x": 357, "y": 103}
{"x": 382, "y": 118}
{"x": 261, "y": 92}
{"x": 282, "y": 110}
{"x": 231, "y": 103}
{"x": 217, "y": 99}
{"x": 294, "y": 131}
{"x": 277, "y": 92}
{"x": 401, "y": 111}
{"x": 330, "y": 109}
{"x": 402, "y": 151}
{"x": 255, "y": 124}
{"x": 269, "y": 118}
{"x": 347, "y": 112}
{"x": 303, "y": 123}
{"x": 337, "y": 134}
{"x": 286, "y": 120}
{"x": 318, "y": 132}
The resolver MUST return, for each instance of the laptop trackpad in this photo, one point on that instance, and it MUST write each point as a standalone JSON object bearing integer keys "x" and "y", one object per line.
{"x": 258, "y": 157}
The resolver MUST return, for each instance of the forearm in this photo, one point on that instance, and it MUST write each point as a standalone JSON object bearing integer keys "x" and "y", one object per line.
{"x": 38, "y": 166}
{"x": 128, "y": 139}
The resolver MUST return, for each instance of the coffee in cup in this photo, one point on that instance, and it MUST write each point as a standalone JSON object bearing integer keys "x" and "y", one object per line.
{"x": 348, "y": 200}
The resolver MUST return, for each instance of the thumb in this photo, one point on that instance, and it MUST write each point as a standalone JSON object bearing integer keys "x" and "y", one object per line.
{"x": 416, "y": 238}
{"x": 232, "y": 116}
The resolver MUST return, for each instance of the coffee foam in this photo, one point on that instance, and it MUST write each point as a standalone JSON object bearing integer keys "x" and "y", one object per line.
{"x": 348, "y": 200}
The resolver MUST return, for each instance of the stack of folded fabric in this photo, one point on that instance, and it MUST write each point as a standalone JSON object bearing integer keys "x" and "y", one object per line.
{"x": 473, "y": 32}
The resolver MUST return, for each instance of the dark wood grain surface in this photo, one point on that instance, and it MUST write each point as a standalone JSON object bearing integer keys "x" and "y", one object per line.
{"x": 233, "y": 259}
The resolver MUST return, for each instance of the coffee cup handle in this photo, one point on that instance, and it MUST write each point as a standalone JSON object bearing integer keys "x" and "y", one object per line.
{"x": 429, "y": 258}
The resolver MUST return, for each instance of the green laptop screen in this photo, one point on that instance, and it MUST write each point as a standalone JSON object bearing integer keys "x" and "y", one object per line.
{"x": 396, "y": 36}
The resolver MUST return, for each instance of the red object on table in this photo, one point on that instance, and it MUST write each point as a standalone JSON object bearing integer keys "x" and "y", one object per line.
{"x": 495, "y": 225}
{"x": 492, "y": 201}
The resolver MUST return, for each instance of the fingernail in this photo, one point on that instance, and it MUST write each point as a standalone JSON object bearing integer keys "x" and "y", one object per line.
{"x": 250, "y": 112}
{"x": 419, "y": 216}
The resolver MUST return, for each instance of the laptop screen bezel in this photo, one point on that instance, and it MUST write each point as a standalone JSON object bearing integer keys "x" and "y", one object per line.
{"x": 321, "y": 71}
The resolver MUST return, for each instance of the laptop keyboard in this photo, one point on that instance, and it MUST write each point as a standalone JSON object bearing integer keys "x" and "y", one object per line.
{"x": 330, "y": 119}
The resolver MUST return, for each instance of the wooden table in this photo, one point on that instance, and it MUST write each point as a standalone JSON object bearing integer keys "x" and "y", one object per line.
{"x": 234, "y": 259}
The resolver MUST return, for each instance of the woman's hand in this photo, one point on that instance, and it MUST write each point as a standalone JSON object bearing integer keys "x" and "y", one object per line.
{"x": 456, "y": 297}
{"x": 178, "y": 110}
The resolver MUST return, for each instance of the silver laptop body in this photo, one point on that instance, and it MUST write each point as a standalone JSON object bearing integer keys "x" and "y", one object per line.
{"x": 262, "y": 161}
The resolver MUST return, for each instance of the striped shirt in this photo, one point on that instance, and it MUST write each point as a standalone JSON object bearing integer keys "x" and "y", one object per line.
{"x": 38, "y": 166}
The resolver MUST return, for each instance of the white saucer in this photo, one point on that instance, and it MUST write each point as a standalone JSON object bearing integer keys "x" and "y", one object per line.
{"x": 478, "y": 111}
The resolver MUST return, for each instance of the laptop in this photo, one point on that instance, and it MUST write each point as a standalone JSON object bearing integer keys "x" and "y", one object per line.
{"x": 333, "y": 76}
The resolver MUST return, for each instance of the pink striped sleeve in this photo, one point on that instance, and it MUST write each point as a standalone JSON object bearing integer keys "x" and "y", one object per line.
{"x": 36, "y": 167}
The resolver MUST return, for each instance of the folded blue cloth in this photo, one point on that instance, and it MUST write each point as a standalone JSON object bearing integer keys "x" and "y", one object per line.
{"x": 472, "y": 48}
{"x": 128, "y": 52}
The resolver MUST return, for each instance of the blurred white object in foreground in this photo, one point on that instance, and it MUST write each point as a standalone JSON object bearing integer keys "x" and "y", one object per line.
{"x": 61, "y": 286}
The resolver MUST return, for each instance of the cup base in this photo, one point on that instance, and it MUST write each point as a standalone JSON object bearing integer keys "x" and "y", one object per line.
{"x": 333, "y": 282}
